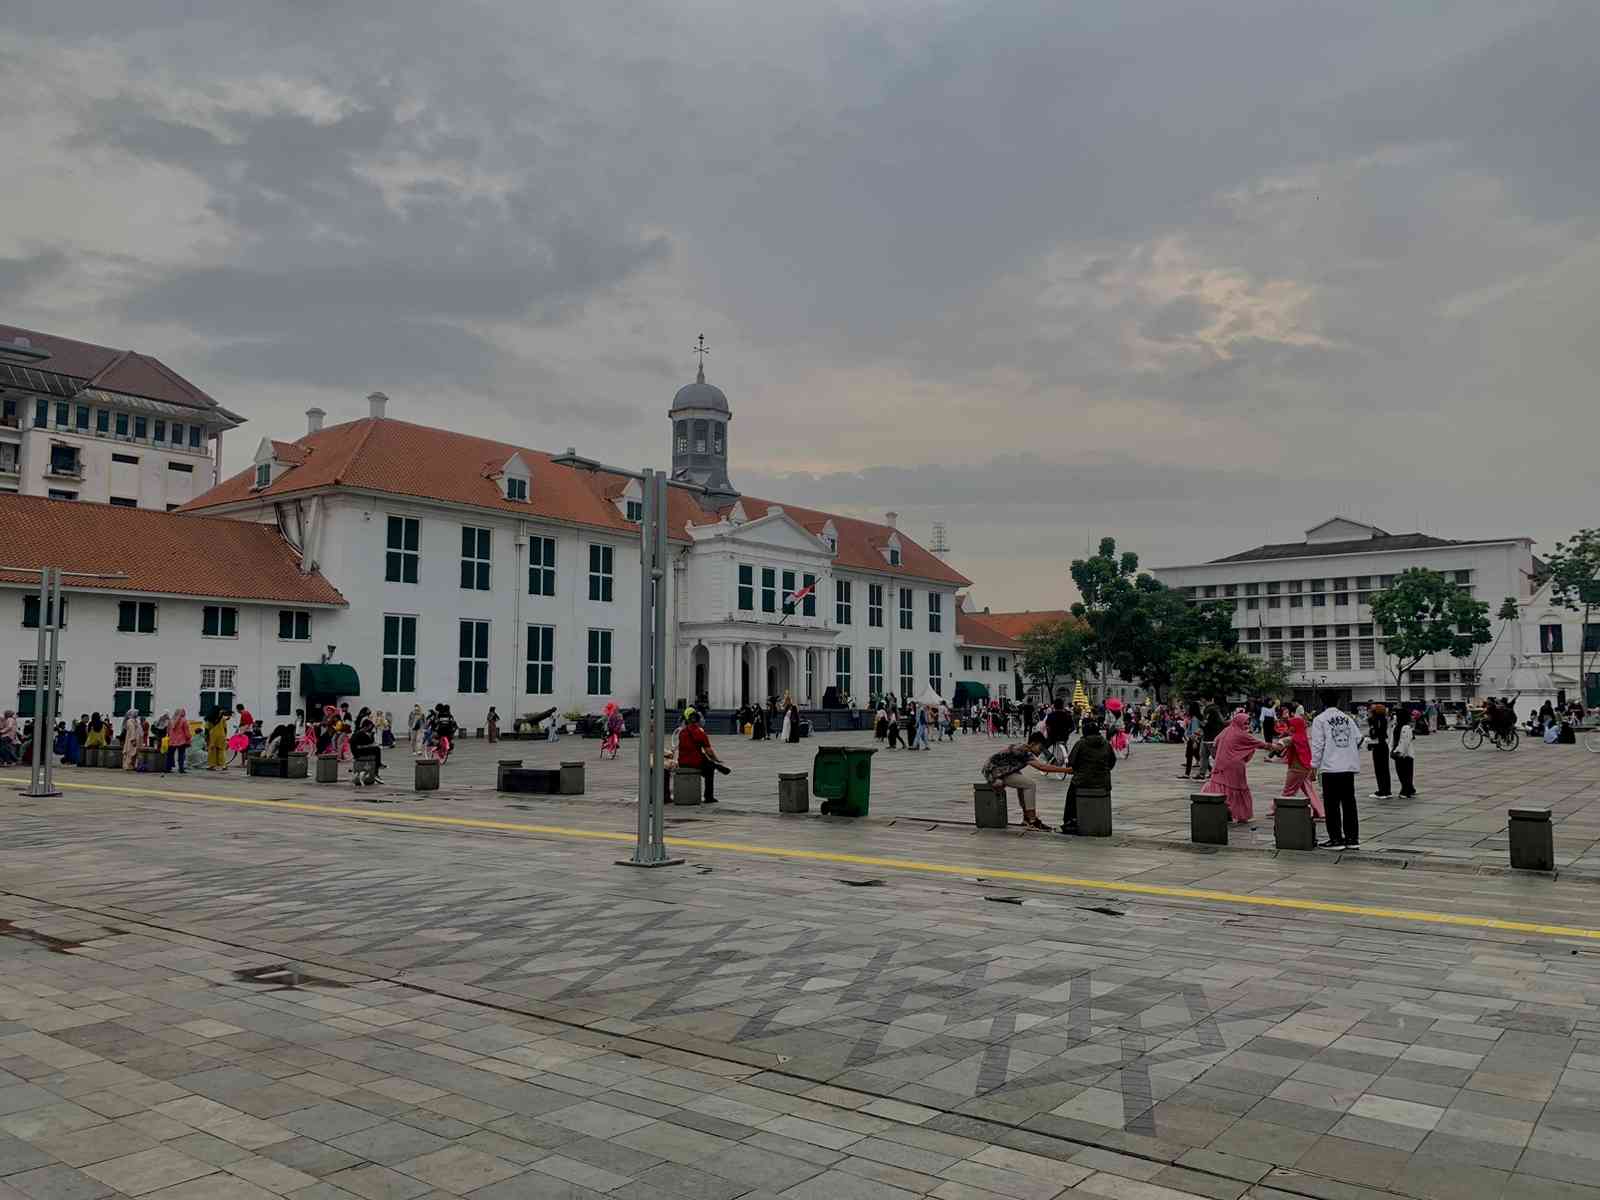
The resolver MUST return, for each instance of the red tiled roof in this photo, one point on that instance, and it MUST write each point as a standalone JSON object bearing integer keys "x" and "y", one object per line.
{"x": 168, "y": 554}
{"x": 972, "y": 631}
{"x": 402, "y": 459}
{"x": 860, "y": 542}
{"x": 125, "y": 371}
{"x": 1016, "y": 624}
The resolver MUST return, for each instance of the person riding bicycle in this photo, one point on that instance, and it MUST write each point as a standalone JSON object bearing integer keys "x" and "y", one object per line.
{"x": 1500, "y": 717}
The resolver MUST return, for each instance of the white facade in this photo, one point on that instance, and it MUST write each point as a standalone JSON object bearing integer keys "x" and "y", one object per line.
{"x": 993, "y": 666}
{"x": 861, "y": 632}
{"x": 1309, "y": 606}
{"x": 108, "y": 449}
{"x": 167, "y": 656}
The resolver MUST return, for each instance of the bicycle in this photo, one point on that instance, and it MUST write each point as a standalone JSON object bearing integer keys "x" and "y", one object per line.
{"x": 1473, "y": 736}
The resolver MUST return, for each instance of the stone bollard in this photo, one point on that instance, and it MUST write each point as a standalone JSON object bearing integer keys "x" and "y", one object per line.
{"x": 500, "y": 770}
{"x": 1094, "y": 812}
{"x": 1533, "y": 843}
{"x": 571, "y": 779}
{"x": 1292, "y": 826}
{"x": 686, "y": 786}
{"x": 153, "y": 761}
{"x": 327, "y": 768}
{"x": 427, "y": 777}
{"x": 989, "y": 806}
{"x": 1208, "y": 819}
{"x": 297, "y": 763}
{"x": 794, "y": 792}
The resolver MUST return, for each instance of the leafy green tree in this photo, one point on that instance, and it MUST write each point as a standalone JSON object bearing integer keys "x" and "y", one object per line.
{"x": 1213, "y": 673}
{"x": 1137, "y": 625}
{"x": 1271, "y": 679}
{"x": 1573, "y": 573}
{"x": 1424, "y": 613}
{"x": 1053, "y": 651}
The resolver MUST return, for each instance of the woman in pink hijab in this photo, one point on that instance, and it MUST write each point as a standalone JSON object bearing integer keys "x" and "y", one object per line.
{"x": 1236, "y": 746}
{"x": 1296, "y": 747}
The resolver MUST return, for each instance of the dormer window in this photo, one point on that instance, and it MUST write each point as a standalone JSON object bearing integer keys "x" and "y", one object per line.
{"x": 830, "y": 535}
{"x": 894, "y": 556}
{"x": 263, "y": 474}
{"x": 634, "y": 510}
{"x": 517, "y": 489}
{"x": 891, "y": 551}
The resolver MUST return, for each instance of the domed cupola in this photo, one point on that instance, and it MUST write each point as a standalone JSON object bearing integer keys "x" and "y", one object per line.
{"x": 700, "y": 416}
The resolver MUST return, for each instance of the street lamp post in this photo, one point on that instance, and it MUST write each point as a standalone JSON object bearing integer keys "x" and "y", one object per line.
{"x": 48, "y": 679}
{"x": 650, "y": 850}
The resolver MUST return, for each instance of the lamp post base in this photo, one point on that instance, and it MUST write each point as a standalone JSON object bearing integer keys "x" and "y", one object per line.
{"x": 660, "y": 862}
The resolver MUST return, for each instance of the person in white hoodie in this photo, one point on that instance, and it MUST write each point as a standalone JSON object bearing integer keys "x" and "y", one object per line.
{"x": 1336, "y": 752}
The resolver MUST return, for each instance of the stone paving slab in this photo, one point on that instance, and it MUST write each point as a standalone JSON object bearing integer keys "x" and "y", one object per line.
{"x": 468, "y": 1006}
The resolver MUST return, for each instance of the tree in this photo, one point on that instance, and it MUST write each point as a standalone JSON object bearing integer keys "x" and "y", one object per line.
{"x": 1054, "y": 650}
{"x": 1423, "y": 614}
{"x": 1138, "y": 625}
{"x": 1213, "y": 673}
{"x": 1271, "y": 679}
{"x": 1573, "y": 573}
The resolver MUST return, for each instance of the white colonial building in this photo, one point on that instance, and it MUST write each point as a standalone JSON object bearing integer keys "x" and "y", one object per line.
{"x": 1308, "y": 604}
{"x": 86, "y": 422}
{"x": 463, "y": 570}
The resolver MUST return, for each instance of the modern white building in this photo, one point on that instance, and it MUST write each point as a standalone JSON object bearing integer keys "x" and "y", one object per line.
{"x": 1308, "y": 604}
{"x": 86, "y": 422}
{"x": 989, "y": 658}
{"x": 474, "y": 572}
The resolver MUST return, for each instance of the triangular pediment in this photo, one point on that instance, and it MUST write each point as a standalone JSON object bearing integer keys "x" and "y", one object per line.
{"x": 775, "y": 531}
{"x": 264, "y": 452}
{"x": 1341, "y": 529}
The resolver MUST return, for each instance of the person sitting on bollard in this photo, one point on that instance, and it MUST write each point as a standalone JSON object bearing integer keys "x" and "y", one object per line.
{"x": 1004, "y": 770}
{"x": 368, "y": 755}
{"x": 695, "y": 754}
{"x": 1090, "y": 762}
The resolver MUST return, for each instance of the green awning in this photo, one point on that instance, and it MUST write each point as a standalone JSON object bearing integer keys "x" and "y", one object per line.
{"x": 329, "y": 680}
{"x": 971, "y": 690}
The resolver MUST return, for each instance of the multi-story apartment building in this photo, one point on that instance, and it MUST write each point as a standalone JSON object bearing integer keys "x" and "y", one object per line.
{"x": 1308, "y": 604}
{"x": 86, "y": 422}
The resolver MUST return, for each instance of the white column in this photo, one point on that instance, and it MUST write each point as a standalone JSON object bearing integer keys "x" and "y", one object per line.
{"x": 731, "y": 656}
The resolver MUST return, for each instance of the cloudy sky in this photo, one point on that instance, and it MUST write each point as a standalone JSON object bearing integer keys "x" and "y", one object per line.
{"x": 1196, "y": 275}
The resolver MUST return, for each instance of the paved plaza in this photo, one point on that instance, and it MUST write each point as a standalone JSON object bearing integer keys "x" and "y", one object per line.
{"x": 230, "y": 988}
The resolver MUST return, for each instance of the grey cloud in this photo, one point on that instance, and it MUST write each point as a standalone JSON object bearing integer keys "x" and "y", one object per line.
{"x": 20, "y": 274}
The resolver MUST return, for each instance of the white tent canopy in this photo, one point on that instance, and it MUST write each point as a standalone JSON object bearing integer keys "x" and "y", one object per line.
{"x": 929, "y": 696}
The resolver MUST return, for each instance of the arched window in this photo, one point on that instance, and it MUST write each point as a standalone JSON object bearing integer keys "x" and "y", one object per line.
{"x": 716, "y": 438}
{"x": 699, "y": 437}
{"x": 683, "y": 437}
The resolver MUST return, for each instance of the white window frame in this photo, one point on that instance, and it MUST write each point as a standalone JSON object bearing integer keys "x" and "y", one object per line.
{"x": 843, "y": 610}
{"x": 477, "y": 636}
{"x": 874, "y": 671}
{"x": 477, "y": 558}
{"x": 220, "y": 609}
{"x": 399, "y": 657}
{"x": 602, "y": 573}
{"x": 908, "y": 673}
{"x": 599, "y": 655}
{"x": 908, "y": 608}
{"x": 841, "y": 670}
{"x": 399, "y": 553}
{"x": 541, "y": 565}
{"x": 935, "y": 612}
{"x": 539, "y": 675}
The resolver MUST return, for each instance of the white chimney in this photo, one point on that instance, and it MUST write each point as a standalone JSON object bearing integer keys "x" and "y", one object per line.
{"x": 378, "y": 402}
{"x": 889, "y": 519}
{"x": 314, "y": 420}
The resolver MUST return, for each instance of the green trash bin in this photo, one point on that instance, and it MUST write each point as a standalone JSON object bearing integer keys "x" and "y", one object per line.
{"x": 842, "y": 776}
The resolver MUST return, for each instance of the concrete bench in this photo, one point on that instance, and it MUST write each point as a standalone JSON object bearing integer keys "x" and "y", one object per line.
{"x": 989, "y": 806}
{"x": 572, "y": 776}
{"x": 531, "y": 781}
{"x": 1533, "y": 842}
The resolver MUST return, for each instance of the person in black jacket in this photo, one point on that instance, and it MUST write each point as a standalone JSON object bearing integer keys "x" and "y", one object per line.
{"x": 1091, "y": 762}
{"x": 1378, "y": 739}
{"x": 1211, "y": 727}
{"x": 368, "y": 755}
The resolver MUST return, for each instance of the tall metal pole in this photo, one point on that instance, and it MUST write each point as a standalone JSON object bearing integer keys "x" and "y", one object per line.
{"x": 52, "y": 693}
{"x": 647, "y": 736}
{"x": 41, "y": 743}
{"x": 658, "y": 820}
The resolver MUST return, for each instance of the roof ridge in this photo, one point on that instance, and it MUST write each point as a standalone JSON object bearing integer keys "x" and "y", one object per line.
{"x": 122, "y": 357}
{"x": 355, "y": 451}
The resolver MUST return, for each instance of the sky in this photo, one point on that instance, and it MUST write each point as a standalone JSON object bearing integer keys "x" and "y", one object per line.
{"x": 1192, "y": 275}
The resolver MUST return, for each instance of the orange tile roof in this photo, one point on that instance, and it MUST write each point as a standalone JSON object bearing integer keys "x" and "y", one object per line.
{"x": 402, "y": 459}
{"x": 971, "y": 630}
{"x": 399, "y": 458}
{"x": 860, "y": 542}
{"x": 1016, "y": 624}
{"x": 168, "y": 554}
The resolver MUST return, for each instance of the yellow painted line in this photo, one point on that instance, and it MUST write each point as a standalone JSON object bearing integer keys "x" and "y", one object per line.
{"x": 867, "y": 860}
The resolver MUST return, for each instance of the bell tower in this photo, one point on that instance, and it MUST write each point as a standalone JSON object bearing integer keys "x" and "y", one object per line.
{"x": 700, "y": 417}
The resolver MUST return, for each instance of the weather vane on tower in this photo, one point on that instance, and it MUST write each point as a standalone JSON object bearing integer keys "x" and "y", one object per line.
{"x": 700, "y": 349}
